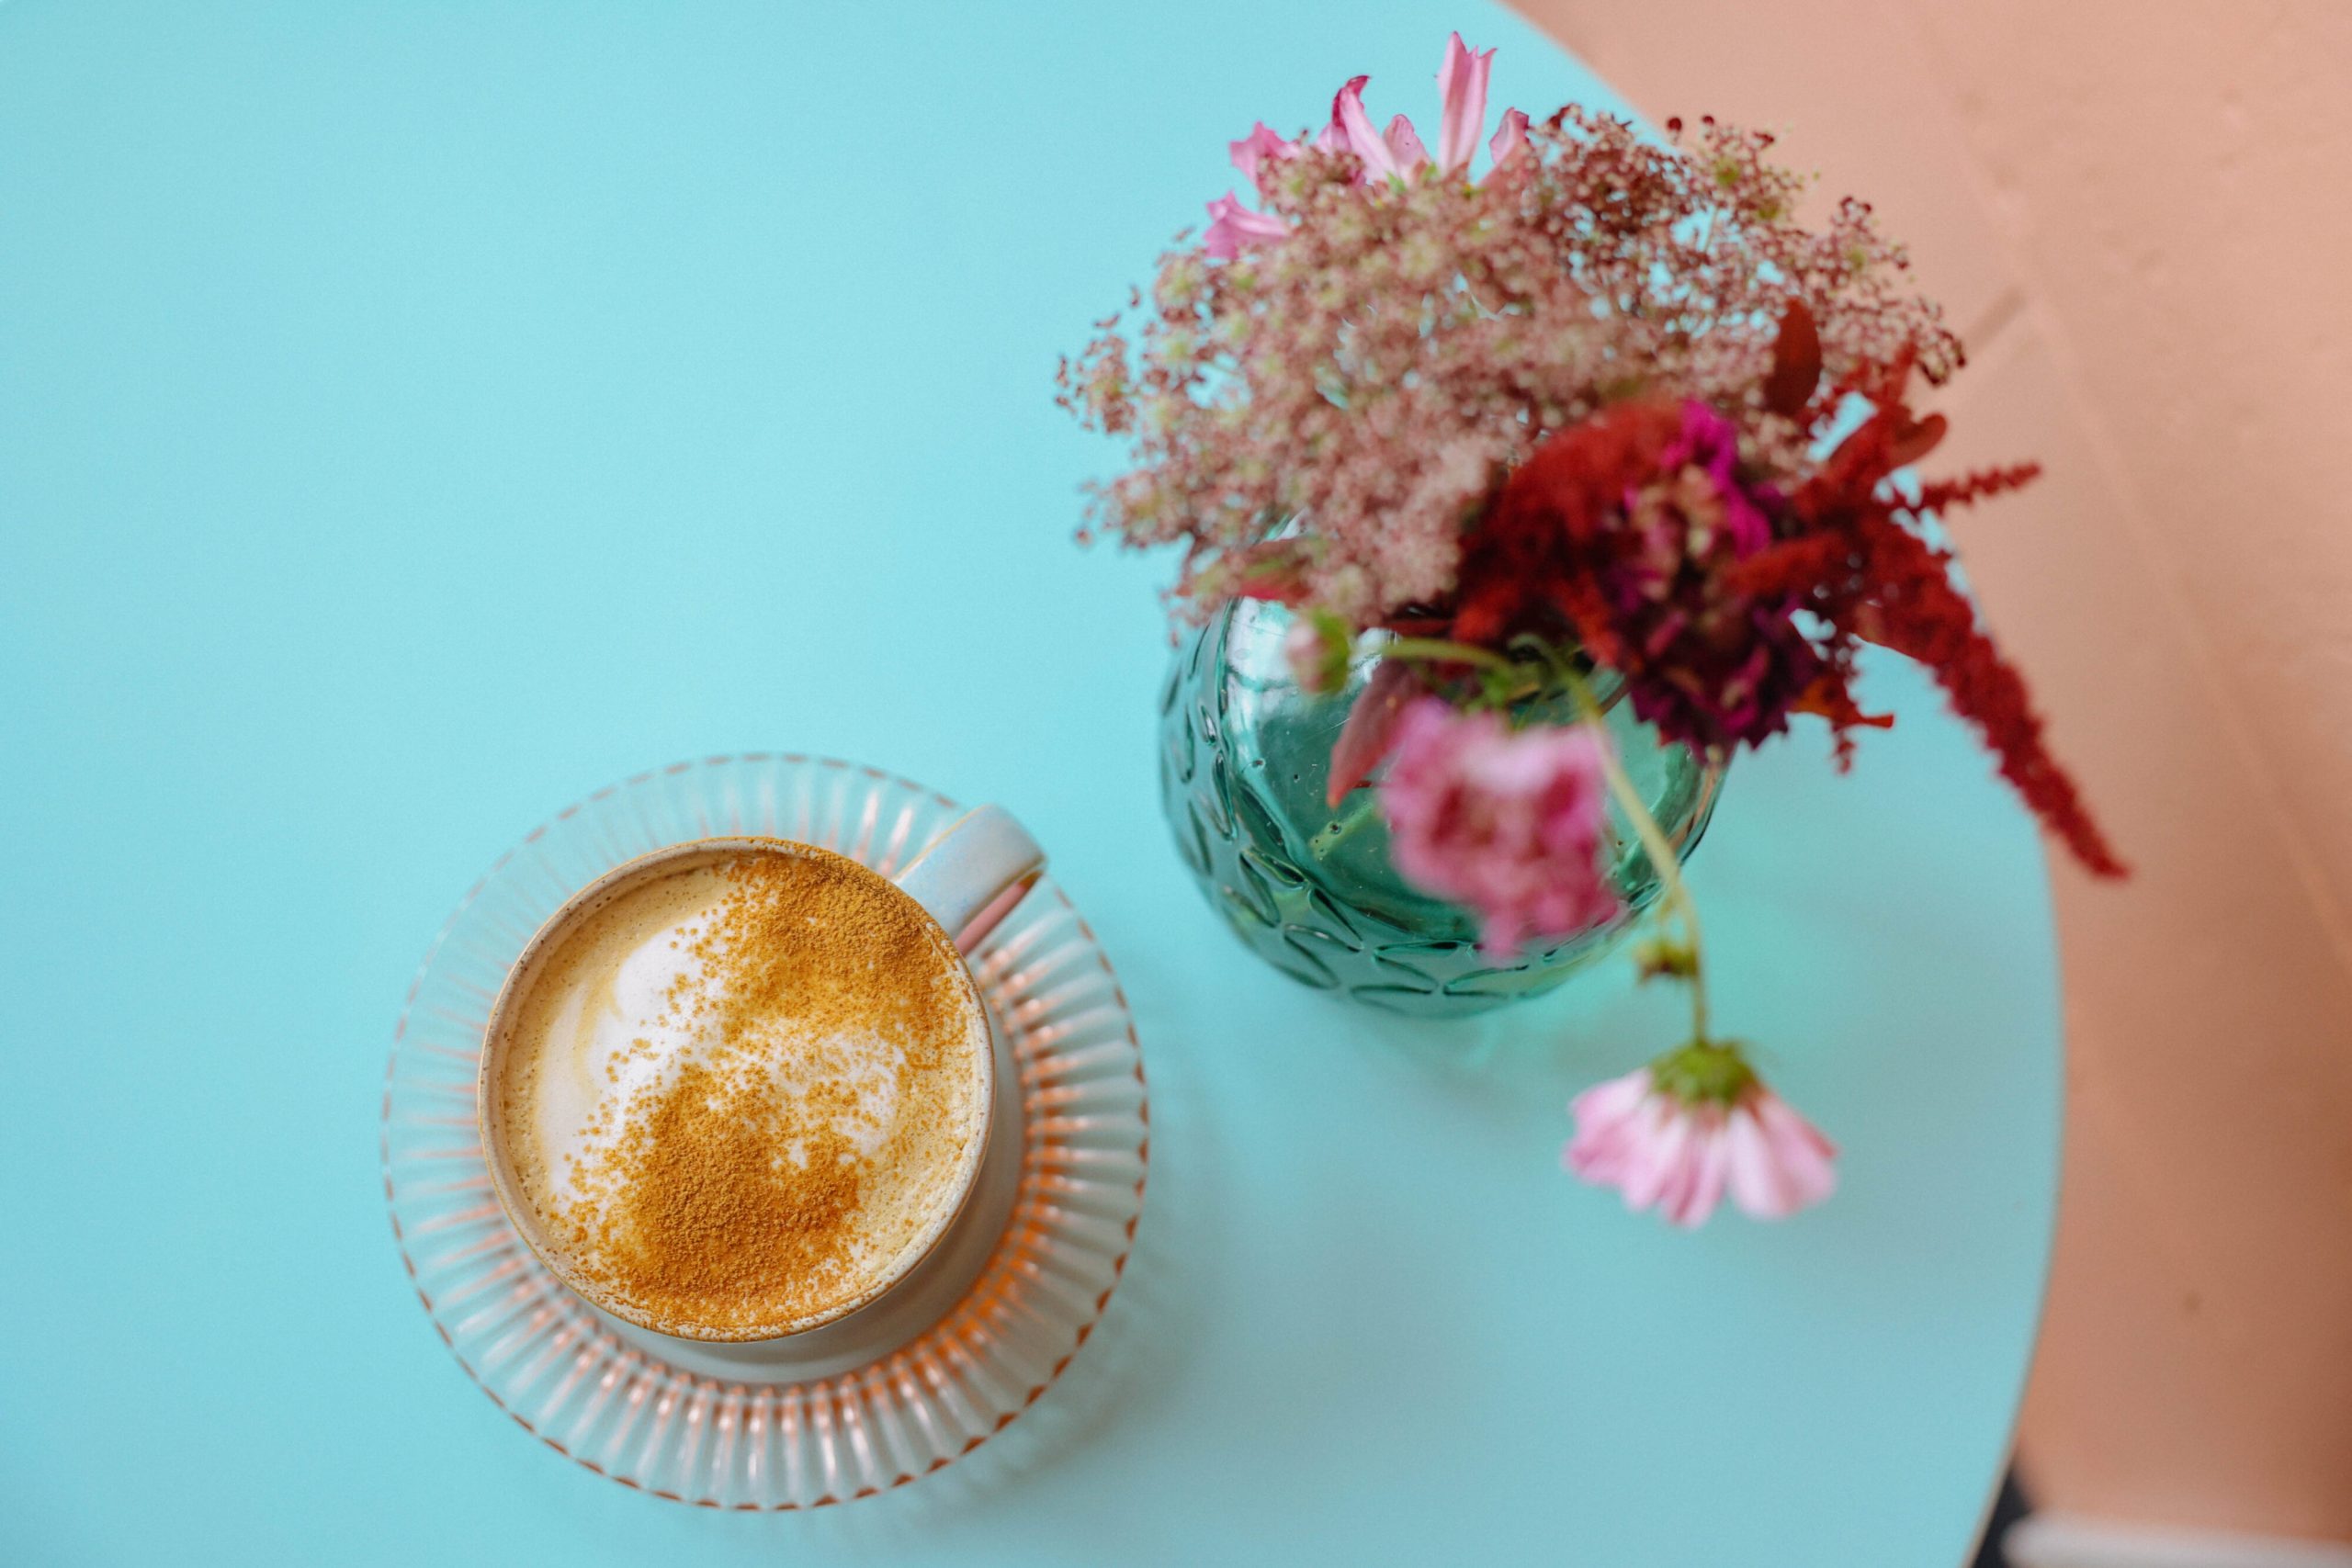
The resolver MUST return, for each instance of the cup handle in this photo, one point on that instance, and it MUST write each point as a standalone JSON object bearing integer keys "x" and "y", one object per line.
{"x": 974, "y": 874}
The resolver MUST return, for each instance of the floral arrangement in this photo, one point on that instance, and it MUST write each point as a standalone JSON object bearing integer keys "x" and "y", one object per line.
{"x": 1606, "y": 405}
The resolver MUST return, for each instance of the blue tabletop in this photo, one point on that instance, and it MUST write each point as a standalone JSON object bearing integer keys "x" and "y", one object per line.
{"x": 412, "y": 417}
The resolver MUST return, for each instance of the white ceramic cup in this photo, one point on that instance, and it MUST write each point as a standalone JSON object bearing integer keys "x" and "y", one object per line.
{"x": 967, "y": 880}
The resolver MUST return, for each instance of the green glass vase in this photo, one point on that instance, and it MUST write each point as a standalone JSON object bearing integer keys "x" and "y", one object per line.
{"x": 1245, "y": 758}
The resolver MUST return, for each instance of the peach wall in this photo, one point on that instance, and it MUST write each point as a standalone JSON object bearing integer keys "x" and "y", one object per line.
{"x": 2138, "y": 215}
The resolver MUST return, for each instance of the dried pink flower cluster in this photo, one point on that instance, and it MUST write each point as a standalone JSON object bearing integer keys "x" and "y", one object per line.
{"x": 1334, "y": 402}
{"x": 1565, "y": 414}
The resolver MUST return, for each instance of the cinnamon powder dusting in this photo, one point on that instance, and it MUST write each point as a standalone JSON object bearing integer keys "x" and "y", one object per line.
{"x": 772, "y": 1176}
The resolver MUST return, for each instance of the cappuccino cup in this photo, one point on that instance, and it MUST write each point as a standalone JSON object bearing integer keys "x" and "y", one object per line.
{"x": 737, "y": 1089}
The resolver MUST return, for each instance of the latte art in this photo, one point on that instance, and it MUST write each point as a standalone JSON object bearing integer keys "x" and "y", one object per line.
{"x": 739, "y": 1094}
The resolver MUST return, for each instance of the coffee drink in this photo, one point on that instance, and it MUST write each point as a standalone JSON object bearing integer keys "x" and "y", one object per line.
{"x": 739, "y": 1094}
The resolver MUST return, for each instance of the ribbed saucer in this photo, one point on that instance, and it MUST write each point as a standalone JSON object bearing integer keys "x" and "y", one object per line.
{"x": 624, "y": 1407}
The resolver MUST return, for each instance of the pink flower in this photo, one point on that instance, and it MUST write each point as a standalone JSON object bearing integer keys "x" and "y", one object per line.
{"x": 1462, "y": 114}
{"x": 1679, "y": 1133}
{"x": 1395, "y": 153}
{"x": 1232, "y": 226}
{"x": 1506, "y": 823}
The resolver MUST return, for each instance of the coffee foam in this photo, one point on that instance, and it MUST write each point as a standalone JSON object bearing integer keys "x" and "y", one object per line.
{"x": 653, "y": 989}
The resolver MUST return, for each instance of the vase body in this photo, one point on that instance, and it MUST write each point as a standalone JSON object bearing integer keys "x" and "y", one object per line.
{"x": 1245, "y": 759}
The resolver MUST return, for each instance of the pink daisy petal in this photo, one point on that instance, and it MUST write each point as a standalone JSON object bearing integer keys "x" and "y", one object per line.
{"x": 1608, "y": 1120}
{"x": 1665, "y": 1144}
{"x": 1754, "y": 1177}
{"x": 1709, "y": 1166}
{"x": 1233, "y": 226}
{"x": 1352, "y": 127}
{"x": 1807, "y": 1161}
{"x": 1779, "y": 1162}
{"x": 1461, "y": 88}
{"x": 1510, "y": 140}
{"x": 1404, "y": 144}
{"x": 1608, "y": 1103}
{"x": 1257, "y": 151}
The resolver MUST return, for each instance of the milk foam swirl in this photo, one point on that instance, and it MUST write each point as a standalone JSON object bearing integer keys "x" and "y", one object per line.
{"x": 738, "y": 1094}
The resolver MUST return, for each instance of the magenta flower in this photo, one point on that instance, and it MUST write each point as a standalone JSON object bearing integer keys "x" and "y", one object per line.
{"x": 1636, "y": 523}
{"x": 1677, "y": 1134}
{"x": 1708, "y": 445}
{"x": 1508, "y": 823}
{"x": 1709, "y": 662}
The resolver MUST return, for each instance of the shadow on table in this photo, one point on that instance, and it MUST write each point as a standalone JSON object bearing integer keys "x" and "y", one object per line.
{"x": 1121, "y": 1379}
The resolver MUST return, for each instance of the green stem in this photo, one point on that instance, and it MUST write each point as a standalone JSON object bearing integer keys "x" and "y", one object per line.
{"x": 1654, "y": 843}
{"x": 1437, "y": 650}
{"x": 1361, "y": 807}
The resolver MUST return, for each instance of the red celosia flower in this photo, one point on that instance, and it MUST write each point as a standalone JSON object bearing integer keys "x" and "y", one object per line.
{"x": 1860, "y": 565}
{"x": 1621, "y": 532}
{"x": 1634, "y": 535}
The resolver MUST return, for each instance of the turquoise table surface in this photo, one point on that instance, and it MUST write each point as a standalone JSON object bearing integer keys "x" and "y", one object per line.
{"x": 415, "y": 416}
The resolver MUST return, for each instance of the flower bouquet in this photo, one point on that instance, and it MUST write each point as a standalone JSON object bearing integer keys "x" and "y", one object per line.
{"x": 1598, "y": 436}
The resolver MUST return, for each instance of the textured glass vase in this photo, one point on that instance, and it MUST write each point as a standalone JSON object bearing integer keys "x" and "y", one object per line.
{"x": 1245, "y": 758}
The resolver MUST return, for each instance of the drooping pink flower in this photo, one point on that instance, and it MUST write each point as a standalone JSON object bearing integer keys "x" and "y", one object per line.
{"x": 1508, "y": 823}
{"x": 1232, "y": 226}
{"x": 1697, "y": 1123}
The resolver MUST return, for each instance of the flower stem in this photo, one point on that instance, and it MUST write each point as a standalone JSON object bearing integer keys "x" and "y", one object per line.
{"x": 1668, "y": 864}
{"x": 1360, "y": 807}
{"x": 1438, "y": 651}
